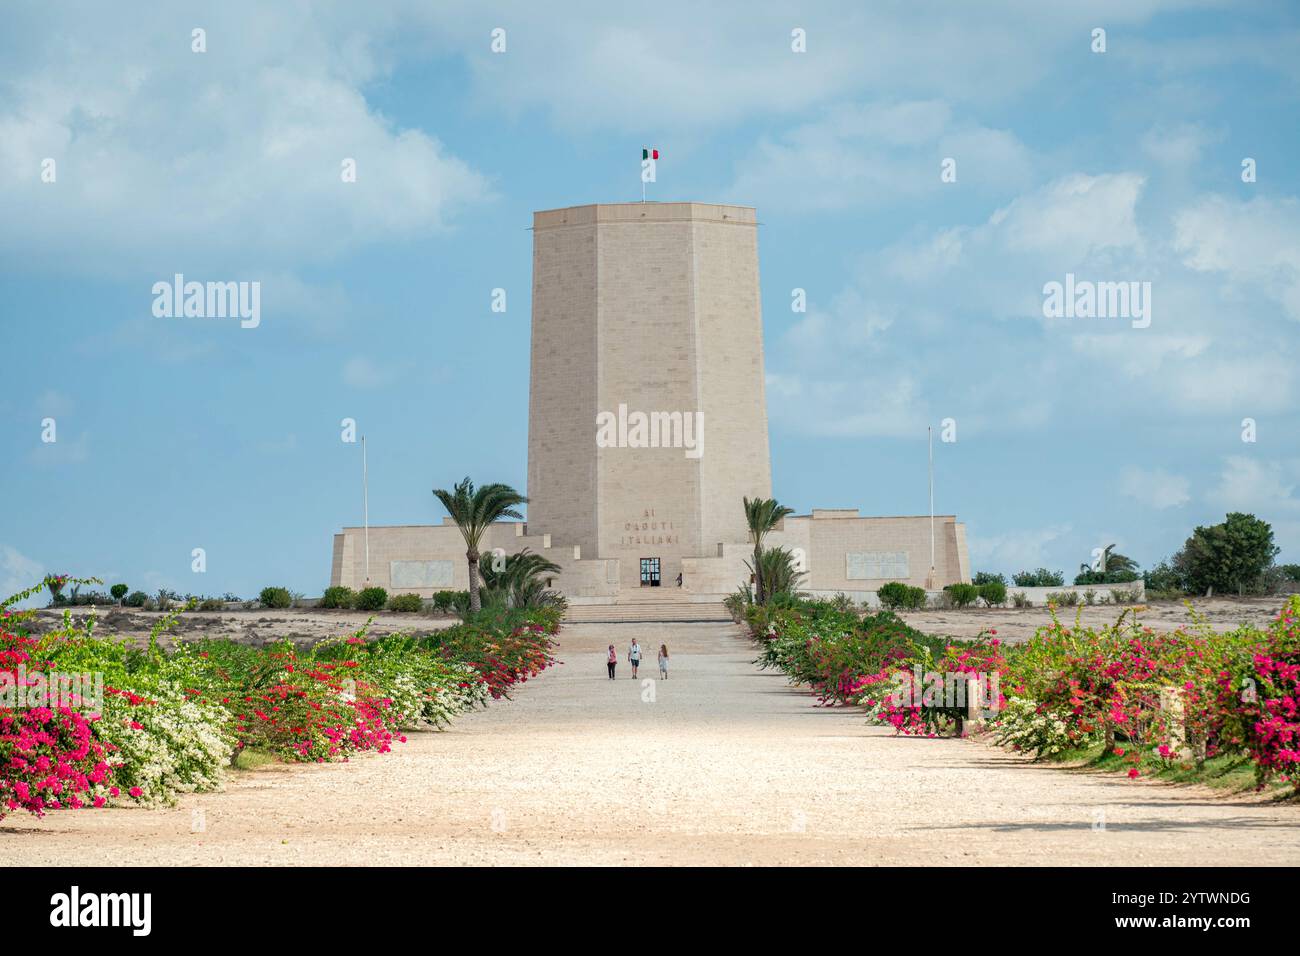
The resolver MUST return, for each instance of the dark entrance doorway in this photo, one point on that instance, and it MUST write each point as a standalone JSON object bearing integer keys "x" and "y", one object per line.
{"x": 649, "y": 572}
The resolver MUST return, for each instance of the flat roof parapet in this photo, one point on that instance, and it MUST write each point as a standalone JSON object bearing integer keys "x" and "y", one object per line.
{"x": 644, "y": 212}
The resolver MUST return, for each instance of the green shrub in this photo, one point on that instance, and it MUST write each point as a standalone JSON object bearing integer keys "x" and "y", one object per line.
{"x": 136, "y": 599}
{"x": 896, "y": 595}
{"x": 994, "y": 593}
{"x": 276, "y": 597}
{"x": 406, "y": 602}
{"x": 118, "y": 591}
{"x": 1021, "y": 599}
{"x": 1290, "y": 571}
{"x": 1042, "y": 578}
{"x": 211, "y": 604}
{"x": 443, "y": 600}
{"x": 1063, "y": 598}
{"x": 988, "y": 577}
{"x": 338, "y": 597}
{"x": 963, "y": 595}
{"x": 1125, "y": 595}
{"x": 372, "y": 599}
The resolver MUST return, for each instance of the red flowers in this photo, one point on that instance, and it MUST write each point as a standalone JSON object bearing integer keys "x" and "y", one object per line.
{"x": 49, "y": 757}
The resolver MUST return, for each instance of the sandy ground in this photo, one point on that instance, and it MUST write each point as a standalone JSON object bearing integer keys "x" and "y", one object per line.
{"x": 720, "y": 764}
{"x": 259, "y": 626}
{"x": 1018, "y": 624}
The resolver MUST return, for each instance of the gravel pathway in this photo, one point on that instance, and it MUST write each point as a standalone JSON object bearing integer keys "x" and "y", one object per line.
{"x": 720, "y": 764}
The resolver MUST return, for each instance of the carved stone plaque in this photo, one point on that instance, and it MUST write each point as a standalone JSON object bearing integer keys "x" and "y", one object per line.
{"x": 420, "y": 574}
{"x": 876, "y": 565}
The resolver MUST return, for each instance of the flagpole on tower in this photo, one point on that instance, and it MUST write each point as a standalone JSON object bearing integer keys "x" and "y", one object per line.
{"x": 649, "y": 157}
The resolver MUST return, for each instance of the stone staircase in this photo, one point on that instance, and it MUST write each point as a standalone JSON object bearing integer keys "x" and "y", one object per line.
{"x": 658, "y": 606}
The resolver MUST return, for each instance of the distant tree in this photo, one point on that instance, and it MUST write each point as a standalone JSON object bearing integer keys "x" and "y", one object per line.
{"x": 988, "y": 577}
{"x": 1164, "y": 577}
{"x": 1109, "y": 562}
{"x": 1231, "y": 556}
{"x": 474, "y": 510}
{"x": 1041, "y": 578}
{"x": 118, "y": 591}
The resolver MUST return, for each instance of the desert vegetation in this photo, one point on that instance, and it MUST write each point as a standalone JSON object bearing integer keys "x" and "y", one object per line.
{"x": 1194, "y": 704}
{"x": 165, "y": 722}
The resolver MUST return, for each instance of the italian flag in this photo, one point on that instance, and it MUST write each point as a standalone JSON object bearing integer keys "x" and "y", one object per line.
{"x": 650, "y": 153}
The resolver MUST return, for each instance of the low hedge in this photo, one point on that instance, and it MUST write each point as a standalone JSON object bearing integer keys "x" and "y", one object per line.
{"x": 371, "y": 599}
{"x": 406, "y": 602}
{"x": 896, "y": 594}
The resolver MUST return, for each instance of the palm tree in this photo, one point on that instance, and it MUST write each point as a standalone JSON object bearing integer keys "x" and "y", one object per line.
{"x": 1114, "y": 561}
{"x": 473, "y": 510}
{"x": 520, "y": 582}
{"x": 776, "y": 568}
{"x": 1110, "y": 560}
{"x": 763, "y": 514}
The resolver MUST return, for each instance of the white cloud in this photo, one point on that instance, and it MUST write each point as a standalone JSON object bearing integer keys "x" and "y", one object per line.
{"x": 1179, "y": 145}
{"x": 19, "y": 572}
{"x": 1017, "y": 550}
{"x": 362, "y": 372}
{"x": 1260, "y": 487}
{"x": 874, "y": 154}
{"x": 222, "y": 162}
{"x": 1073, "y": 217}
{"x": 689, "y": 65}
{"x": 1255, "y": 243}
{"x": 1155, "y": 487}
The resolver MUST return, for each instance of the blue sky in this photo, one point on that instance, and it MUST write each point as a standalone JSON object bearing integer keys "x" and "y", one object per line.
{"x": 924, "y": 298}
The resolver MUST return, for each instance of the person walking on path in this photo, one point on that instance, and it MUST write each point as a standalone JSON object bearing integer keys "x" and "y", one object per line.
{"x": 612, "y": 661}
{"x": 634, "y": 656}
{"x": 663, "y": 661}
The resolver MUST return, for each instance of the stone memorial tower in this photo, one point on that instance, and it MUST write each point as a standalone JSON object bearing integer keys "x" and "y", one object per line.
{"x": 647, "y": 422}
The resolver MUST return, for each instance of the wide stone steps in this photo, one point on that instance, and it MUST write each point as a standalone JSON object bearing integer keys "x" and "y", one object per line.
{"x": 645, "y": 612}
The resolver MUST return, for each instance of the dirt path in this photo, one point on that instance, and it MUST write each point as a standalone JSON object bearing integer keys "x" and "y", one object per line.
{"x": 719, "y": 764}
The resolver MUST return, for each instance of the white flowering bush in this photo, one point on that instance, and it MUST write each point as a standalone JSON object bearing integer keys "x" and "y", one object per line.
{"x": 1022, "y": 727}
{"x": 169, "y": 744}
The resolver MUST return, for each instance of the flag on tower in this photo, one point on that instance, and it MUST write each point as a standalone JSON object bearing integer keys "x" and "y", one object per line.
{"x": 651, "y": 153}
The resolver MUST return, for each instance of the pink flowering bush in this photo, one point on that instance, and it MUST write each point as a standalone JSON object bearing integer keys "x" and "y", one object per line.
{"x": 1271, "y": 722}
{"x": 1151, "y": 700}
{"x": 50, "y": 757}
{"x": 170, "y": 722}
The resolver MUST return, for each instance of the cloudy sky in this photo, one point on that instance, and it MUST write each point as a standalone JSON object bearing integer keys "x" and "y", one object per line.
{"x": 924, "y": 297}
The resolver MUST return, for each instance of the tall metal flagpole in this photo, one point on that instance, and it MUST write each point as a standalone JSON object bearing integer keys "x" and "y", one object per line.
{"x": 365, "y": 505}
{"x": 929, "y": 436}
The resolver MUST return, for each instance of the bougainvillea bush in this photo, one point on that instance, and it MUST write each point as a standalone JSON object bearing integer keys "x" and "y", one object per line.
{"x": 171, "y": 721}
{"x": 1153, "y": 700}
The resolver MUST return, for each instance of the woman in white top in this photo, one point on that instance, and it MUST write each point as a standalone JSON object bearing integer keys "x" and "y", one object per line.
{"x": 663, "y": 661}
